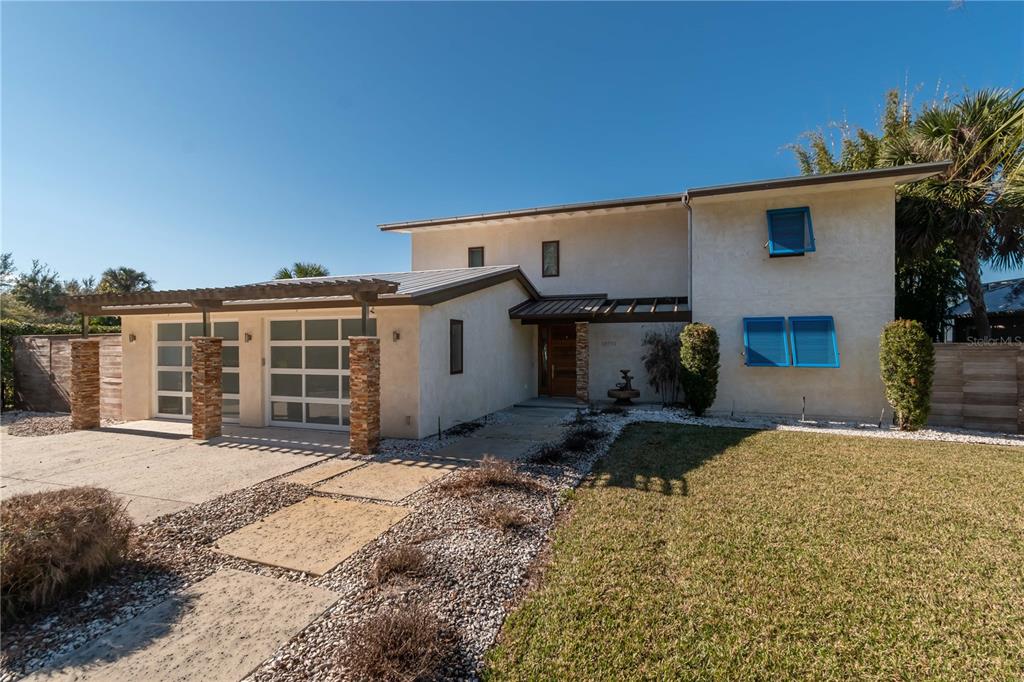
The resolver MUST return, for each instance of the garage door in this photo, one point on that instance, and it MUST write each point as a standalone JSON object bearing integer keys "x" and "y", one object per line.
{"x": 174, "y": 368}
{"x": 308, "y": 374}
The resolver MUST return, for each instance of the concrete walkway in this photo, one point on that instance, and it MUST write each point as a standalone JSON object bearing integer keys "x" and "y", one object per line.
{"x": 517, "y": 431}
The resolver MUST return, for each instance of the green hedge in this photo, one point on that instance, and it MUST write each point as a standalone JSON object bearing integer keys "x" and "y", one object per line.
{"x": 11, "y": 328}
{"x": 907, "y": 360}
{"x": 699, "y": 355}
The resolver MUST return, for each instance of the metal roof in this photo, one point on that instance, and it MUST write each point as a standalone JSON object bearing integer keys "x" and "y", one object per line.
{"x": 599, "y": 308}
{"x": 1003, "y": 297}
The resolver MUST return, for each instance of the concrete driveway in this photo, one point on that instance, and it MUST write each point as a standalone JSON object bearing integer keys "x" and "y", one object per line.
{"x": 156, "y": 466}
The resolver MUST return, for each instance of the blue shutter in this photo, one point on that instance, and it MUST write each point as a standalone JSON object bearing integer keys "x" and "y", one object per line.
{"x": 814, "y": 342}
{"x": 765, "y": 341}
{"x": 790, "y": 232}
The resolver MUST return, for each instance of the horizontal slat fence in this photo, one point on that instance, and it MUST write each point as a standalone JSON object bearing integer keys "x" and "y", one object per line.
{"x": 979, "y": 386}
{"x": 42, "y": 373}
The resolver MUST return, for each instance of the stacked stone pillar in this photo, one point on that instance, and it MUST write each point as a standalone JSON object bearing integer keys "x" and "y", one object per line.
{"x": 583, "y": 361}
{"x": 364, "y": 392}
{"x": 206, "y": 389}
{"x": 85, "y": 383}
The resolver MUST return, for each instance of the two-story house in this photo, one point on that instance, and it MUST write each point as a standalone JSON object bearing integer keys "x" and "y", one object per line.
{"x": 796, "y": 274}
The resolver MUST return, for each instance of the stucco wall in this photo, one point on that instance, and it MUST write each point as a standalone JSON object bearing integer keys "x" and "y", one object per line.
{"x": 614, "y": 347}
{"x": 632, "y": 253}
{"x": 850, "y": 277}
{"x": 499, "y": 358}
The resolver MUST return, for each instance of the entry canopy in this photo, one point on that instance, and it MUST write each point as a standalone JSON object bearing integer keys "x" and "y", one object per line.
{"x": 599, "y": 308}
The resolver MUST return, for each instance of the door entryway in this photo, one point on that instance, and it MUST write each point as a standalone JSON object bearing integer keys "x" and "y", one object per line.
{"x": 557, "y": 360}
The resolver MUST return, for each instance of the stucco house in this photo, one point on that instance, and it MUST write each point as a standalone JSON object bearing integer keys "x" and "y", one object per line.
{"x": 797, "y": 275}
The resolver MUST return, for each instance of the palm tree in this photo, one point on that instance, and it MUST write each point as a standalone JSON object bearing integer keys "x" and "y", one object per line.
{"x": 299, "y": 270}
{"x": 124, "y": 280}
{"x": 979, "y": 203}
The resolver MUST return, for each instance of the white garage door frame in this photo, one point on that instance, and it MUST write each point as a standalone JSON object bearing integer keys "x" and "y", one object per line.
{"x": 181, "y": 349}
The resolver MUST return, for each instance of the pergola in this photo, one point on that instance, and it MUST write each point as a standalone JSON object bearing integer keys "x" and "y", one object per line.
{"x": 206, "y": 349}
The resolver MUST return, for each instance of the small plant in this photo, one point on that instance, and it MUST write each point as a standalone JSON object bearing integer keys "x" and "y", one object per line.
{"x": 56, "y": 540}
{"x": 406, "y": 561}
{"x": 581, "y": 438}
{"x": 492, "y": 473}
{"x": 661, "y": 360}
{"x": 548, "y": 454}
{"x": 400, "y": 644}
{"x": 699, "y": 356}
{"x": 907, "y": 360}
{"x": 503, "y": 516}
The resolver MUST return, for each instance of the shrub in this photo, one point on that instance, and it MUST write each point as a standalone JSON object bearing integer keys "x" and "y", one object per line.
{"x": 582, "y": 438}
{"x": 492, "y": 473}
{"x": 907, "y": 360}
{"x": 404, "y": 560}
{"x": 699, "y": 355}
{"x": 548, "y": 454}
{"x": 53, "y": 541}
{"x": 661, "y": 361}
{"x": 503, "y": 516}
{"x": 400, "y": 644}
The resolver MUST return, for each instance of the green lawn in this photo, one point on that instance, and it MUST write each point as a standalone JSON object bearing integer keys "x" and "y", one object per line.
{"x": 700, "y": 553}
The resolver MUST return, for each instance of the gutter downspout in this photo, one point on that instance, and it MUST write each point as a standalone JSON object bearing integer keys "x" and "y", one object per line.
{"x": 689, "y": 252}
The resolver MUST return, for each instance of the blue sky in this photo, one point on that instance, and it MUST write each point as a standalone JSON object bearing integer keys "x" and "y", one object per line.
{"x": 210, "y": 144}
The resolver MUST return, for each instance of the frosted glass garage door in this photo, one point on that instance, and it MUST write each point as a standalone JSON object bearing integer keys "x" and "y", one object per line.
{"x": 174, "y": 368}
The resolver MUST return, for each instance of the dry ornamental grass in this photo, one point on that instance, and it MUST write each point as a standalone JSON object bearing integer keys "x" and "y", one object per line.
{"x": 403, "y": 644}
{"x": 492, "y": 473}
{"x": 403, "y": 561}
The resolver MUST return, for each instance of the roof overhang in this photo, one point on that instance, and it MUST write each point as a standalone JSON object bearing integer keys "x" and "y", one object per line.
{"x": 526, "y": 214}
{"x": 598, "y": 308}
{"x": 879, "y": 177}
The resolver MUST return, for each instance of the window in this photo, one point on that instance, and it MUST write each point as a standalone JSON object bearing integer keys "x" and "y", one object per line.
{"x": 764, "y": 340}
{"x": 476, "y": 256}
{"x": 814, "y": 342}
{"x": 790, "y": 232}
{"x": 455, "y": 346}
{"x": 549, "y": 259}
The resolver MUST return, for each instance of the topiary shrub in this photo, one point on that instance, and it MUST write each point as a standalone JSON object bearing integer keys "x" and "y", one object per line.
{"x": 55, "y": 540}
{"x": 699, "y": 354}
{"x": 907, "y": 360}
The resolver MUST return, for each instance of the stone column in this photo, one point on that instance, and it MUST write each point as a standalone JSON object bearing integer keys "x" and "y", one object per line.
{"x": 583, "y": 361}
{"x": 85, "y": 383}
{"x": 364, "y": 392}
{"x": 206, "y": 391}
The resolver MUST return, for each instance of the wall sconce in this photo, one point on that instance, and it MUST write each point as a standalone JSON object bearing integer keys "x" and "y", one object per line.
{"x": 131, "y": 337}
{"x": 395, "y": 335}
{"x": 248, "y": 337}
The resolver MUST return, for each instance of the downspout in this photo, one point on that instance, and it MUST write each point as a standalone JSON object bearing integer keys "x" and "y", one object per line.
{"x": 689, "y": 253}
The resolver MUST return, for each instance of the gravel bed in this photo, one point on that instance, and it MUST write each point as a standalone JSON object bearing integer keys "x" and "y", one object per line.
{"x": 24, "y": 423}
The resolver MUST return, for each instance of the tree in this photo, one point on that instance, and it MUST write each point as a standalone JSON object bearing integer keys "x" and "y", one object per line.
{"x": 299, "y": 270}
{"x": 979, "y": 203}
{"x": 75, "y": 287}
{"x": 40, "y": 289}
{"x": 661, "y": 360}
{"x": 124, "y": 280}
{"x": 7, "y": 271}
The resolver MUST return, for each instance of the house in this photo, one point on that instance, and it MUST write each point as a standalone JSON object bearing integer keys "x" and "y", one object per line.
{"x": 797, "y": 275}
{"x": 1004, "y": 302}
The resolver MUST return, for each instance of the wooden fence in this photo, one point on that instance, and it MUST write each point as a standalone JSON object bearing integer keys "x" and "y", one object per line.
{"x": 42, "y": 373}
{"x": 979, "y": 386}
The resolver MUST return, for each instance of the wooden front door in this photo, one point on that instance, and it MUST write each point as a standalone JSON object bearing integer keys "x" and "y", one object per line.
{"x": 557, "y": 363}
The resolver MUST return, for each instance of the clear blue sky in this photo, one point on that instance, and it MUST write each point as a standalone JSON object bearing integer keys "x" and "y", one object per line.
{"x": 210, "y": 144}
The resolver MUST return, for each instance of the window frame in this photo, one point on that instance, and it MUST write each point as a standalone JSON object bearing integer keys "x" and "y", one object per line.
{"x": 746, "y": 342}
{"x": 469, "y": 257}
{"x": 186, "y": 369}
{"x": 832, "y": 329}
{"x": 809, "y": 246}
{"x": 558, "y": 257}
{"x": 452, "y": 325}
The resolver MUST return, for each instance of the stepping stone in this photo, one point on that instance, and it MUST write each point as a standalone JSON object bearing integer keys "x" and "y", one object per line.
{"x": 323, "y": 471}
{"x": 312, "y": 536}
{"x": 387, "y": 481}
{"x": 221, "y": 628}
{"x": 475, "y": 449}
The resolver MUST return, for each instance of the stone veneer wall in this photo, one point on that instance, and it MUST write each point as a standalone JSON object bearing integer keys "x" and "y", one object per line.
{"x": 85, "y": 383}
{"x": 364, "y": 391}
{"x": 583, "y": 361}
{"x": 206, "y": 391}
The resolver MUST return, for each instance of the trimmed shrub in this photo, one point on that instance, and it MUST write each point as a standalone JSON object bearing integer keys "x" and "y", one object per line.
{"x": 400, "y": 644}
{"x": 56, "y": 540}
{"x": 699, "y": 355}
{"x": 907, "y": 360}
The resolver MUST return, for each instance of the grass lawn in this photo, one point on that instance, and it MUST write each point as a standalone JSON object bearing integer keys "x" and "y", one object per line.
{"x": 699, "y": 553}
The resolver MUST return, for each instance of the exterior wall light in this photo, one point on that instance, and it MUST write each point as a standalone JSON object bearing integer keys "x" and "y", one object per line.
{"x": 396, "y": 335}
{"x": 131, "y": 337}
{"x": 248, "y": 337}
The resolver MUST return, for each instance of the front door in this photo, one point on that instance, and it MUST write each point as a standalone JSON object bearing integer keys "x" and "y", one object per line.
{"x": 557, "y": 346}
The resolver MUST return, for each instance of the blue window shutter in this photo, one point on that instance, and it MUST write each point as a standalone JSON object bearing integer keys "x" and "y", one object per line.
{"x": 790, "y": 232}
{"x": 764, "y": 339}
{"x": 814, "y": 342}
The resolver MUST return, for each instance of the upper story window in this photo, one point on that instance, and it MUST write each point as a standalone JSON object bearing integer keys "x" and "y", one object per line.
{"x": 814, "y": 342}
{"x": 455, "y": 346}
{"x": 790, "y": 232}
{"x": 549, "y": 259}
{"x": 476, "y": 256}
